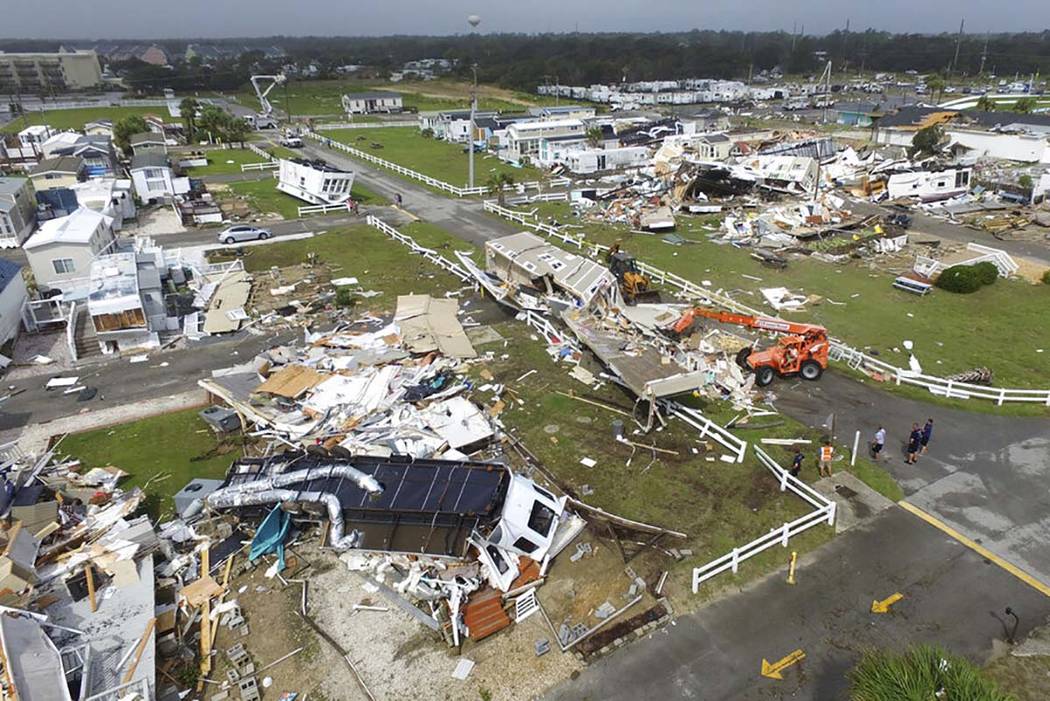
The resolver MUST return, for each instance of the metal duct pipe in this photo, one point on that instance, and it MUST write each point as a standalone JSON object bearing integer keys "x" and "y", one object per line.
{"x": 236, "y": 496}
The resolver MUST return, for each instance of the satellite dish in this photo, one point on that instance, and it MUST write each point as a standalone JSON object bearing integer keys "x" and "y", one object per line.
{"x": 474, "y": 20}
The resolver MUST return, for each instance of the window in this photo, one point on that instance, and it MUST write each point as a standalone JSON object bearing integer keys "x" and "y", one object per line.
{"x": 525, "y": 545}
{"x": 497, "y": 558}
{"x": 153, "y": 173}
{"x": 541, "y": 520}
{"x": 63, "y": 266}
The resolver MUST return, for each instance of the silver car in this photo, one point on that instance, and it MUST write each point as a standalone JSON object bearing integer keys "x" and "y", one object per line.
{"x": 243, "y": 232}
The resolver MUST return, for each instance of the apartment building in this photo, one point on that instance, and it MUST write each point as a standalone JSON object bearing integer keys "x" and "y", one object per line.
{"x": 45, "y": 73}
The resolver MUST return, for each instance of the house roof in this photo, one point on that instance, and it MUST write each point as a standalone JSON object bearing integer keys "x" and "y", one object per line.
{"x": 856, "y": 107}
{"x": 78, "y": 227}
{"x": 715, "y": 138}
{"x": 147, "y": 137}
{"x": 149, "y": 158}
{"x": 11, "y": 186}
{"x": 62, "y": 164}
{"x": 373, "y": 95}
{"x": 8, "y": 271}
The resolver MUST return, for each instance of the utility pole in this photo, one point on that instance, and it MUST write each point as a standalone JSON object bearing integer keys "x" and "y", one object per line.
{"x": 958, "y": 43}
{"x": 984, "y": 54}
{"x": 470, "y": 139}
{"x": 287, "y": 105}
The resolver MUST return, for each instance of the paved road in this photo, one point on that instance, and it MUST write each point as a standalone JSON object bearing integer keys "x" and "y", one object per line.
{"x": 952, "y": 597}
{"x": 120, "y": 381}
{"x": 985, "y": 475}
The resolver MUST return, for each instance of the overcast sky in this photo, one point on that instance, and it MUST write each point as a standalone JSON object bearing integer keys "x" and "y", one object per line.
{"x": 64, "y": 19}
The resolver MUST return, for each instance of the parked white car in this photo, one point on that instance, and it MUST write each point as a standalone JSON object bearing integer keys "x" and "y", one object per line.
{"x": 243, "y": 232}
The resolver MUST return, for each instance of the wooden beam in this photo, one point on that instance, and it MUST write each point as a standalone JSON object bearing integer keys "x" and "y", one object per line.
{"x": 205, "y": 615}
{"x": 89, "y": 575}
{"x": 139, "y": 650}
{"x": 621, "y": 521}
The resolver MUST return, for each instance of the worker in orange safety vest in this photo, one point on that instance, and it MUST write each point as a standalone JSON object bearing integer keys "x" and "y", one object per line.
{"x": 826, "y": 454}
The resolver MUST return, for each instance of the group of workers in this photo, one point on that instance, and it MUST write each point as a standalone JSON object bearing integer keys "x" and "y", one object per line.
{"x": 918, "y": 444}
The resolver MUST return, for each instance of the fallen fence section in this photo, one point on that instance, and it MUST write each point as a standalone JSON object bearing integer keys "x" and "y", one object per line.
{"x": 426, "y": 179}
{"x": 823, "y": 513}
{"x": 708, "y": 428}
{"x": 840, "y": 351}
{"x": 431, "y": 255}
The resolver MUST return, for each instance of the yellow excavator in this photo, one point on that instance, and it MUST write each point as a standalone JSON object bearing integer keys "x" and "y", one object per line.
{"x": 635, "y": 287}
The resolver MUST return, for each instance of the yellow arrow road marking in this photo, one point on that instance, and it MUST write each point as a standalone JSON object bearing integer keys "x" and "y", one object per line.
{"x": 773, "y": 671}
{"x": 884, "y": 605}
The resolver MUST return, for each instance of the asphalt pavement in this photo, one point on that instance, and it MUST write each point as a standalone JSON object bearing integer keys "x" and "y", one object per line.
{"x": 985, "y": 475}
{"x": 121, "y": 381}
{"x": 951, "y": 597}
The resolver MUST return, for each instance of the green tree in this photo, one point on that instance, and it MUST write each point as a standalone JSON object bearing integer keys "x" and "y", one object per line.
{"x": 921, "y": 672}
{"x": 985, "y": 104}
{"x": 125, "y": 128}
{"x": 1025, "y": 105}
{"x": 936, "y": 84}
{"x": 188, "y": 109}
{"x": 496, "y": 183}
{"x": 926, "y": 142}
{"x": 594, "y": 136}
{"x": 1025, "y": 181}
{"x": 236, "y": 130}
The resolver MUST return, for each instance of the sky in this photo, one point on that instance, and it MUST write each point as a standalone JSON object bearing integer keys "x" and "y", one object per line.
{"x": 88, "y": 19}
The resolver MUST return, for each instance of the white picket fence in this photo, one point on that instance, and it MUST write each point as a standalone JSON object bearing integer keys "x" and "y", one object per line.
{"x": 426, "y": 179}
{"x": 840, "y": 351}
{"x": 365, "y": 125}
{"x": 430, "y": 254}
{"x": 322, "y": 209}
{"x": 707, "y": 428}
{"x": 823, "y": 513}
{"x": 265, "y": 165}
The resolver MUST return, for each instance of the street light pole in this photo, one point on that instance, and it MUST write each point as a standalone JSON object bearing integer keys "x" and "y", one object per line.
{"x": 470, "y": 138}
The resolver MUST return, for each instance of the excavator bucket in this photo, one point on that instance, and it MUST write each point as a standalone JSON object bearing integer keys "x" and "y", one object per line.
{"x": 646, "y": 297}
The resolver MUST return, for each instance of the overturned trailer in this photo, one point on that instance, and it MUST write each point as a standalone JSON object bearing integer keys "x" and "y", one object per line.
{"x": 403, "y": 505}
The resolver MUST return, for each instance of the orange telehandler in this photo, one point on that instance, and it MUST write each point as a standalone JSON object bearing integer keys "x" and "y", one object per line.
{"x": 802, "y": 350}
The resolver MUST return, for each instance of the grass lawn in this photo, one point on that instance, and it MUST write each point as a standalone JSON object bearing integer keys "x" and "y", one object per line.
{"x": 263, "y": 197}
{"x": 997, "y": 327}
{"x": 179, "y": 444}
{"x": 324, "y": 97}
{"x": 438, "y": 159}
{"x": 225, "y": 161}
{"x": 363, "y": 252}
{"x": 77, "y": 118}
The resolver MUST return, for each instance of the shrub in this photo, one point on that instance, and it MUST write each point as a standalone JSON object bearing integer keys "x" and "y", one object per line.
{"x": 344, "y": 297}
{"x": 963, "y": 279}
{"x": 1046, "y": 277}
{"x": 987, "y": 273}
{"x": 922, "y": 672}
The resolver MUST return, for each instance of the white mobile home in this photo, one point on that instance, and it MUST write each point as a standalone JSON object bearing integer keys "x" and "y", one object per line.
{"x": 929, "y": 185}
{"x": 61, "y": 251}
{"x": 315, "y": 182}
{"x": 381, "y": 101}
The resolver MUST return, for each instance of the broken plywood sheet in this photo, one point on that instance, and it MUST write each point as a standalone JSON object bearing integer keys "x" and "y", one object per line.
{"x": 429, "y": 324}
{"x": 291, "y": 381}
{"x": 200, "y": 590}
{"x": 231, "y": 294}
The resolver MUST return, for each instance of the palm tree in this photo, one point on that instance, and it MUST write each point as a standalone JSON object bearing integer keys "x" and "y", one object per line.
{"x": 1025, "y": 105}
{"x": 188, "y": 109}
{"x": 985, "y": 104}
{"x": 496, "y": 183}
{"x": 594, "y": 136}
